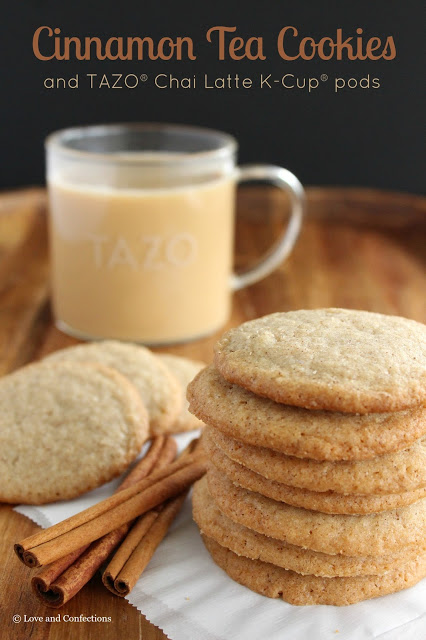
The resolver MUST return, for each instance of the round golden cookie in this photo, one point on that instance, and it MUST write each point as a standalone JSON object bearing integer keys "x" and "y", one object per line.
{"x": 250, "y": 544}
{"x": 159, "y": 390}
{"x": 333, "y": 359}
{"x": 319, "y": 435}
{"x": 275, "y": 582}
{"x": 326, "y": 501}
{"x": 184, "y": 370}
{"x": 392, "y": 473}
{"x": 66, "y": 428}
{"x": 374, "y": 534}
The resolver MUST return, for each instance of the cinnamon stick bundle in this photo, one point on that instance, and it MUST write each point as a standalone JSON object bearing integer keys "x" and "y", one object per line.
{"x": 139, "y": 546}
{"x": 60, "y": 581}
{"x": 123, "y": 507}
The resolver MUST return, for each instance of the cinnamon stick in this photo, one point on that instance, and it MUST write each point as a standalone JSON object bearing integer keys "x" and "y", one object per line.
{"x": 161, "y": 453}
{"x": 138, "y": 548}
{"x": 57, "y": 592}
{"x": 60, "y": 581}
{"x": 135, "y": 552}
{"x": 110, "y": 514}
{"x": 49, "y": 574}
{"x": 100, "y": 509}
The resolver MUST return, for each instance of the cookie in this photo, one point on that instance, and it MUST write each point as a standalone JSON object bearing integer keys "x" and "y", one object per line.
{"x": 326, "y": 502}
{"x": 250, "y": 544}
{"x": 275, "y": 582}
{"x": 319, "y": 435}
{"x": 373, "y": 534}
{"x": 184, "y": 370}
{"x": 392, "y": 473}
{"x": 159, "y": 390}
{"x": 66, "y": 428}
{"x": 333, "y": 359}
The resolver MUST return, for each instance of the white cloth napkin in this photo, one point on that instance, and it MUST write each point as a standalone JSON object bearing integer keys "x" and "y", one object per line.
{"x": 184, "y": 593}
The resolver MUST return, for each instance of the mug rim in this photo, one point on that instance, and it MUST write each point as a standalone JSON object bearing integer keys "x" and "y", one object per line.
{"x": 57, "y": 141}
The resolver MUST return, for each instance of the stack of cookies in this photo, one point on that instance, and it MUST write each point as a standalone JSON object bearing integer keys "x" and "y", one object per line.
{"x": 316, "y": 436}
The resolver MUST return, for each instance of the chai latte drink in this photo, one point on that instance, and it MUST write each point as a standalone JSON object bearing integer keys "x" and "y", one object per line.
{"x": 141, "y": 221}
{"x": 149, "y": 264}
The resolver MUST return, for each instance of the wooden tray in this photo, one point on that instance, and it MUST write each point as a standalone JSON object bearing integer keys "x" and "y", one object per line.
{"x": 359, "y": 248}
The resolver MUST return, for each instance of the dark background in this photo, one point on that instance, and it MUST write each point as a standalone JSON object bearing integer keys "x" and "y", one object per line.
{"x": 356, "y": 137}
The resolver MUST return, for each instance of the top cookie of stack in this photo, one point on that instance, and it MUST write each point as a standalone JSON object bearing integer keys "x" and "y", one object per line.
{"x": 322, "y": 410}
{"x": 333, "y": 359}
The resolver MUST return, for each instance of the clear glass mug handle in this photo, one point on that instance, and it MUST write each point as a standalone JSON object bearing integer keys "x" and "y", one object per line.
{"x": 282, "y": 248}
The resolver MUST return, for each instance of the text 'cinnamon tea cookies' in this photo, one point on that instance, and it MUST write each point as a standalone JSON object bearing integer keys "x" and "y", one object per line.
{"x": 333, "y": 359}
{"x": 319, "y": 435}
{"x": 66, "y": 428}
{"x": 158, "y": 388}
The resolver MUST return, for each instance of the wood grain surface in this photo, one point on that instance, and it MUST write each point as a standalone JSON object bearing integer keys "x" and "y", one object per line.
{"x": 359, "y": 248}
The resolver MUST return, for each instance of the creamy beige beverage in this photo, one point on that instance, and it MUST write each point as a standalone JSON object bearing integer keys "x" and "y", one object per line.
{"x": 141, "y": 230}
{"x": 143, "y": 264}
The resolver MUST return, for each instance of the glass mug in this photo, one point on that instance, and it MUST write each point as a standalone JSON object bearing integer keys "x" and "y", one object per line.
{"x": 141, "y": 230}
